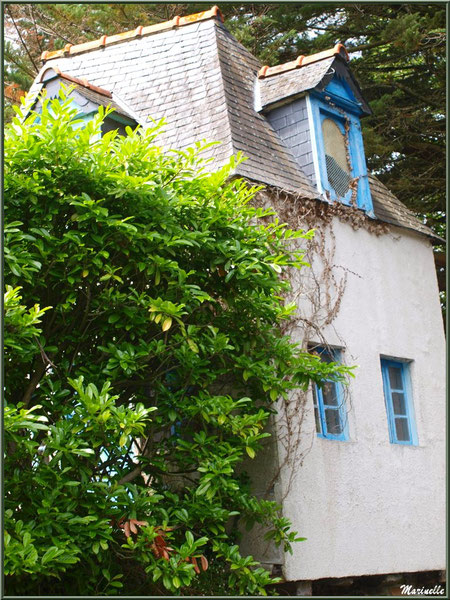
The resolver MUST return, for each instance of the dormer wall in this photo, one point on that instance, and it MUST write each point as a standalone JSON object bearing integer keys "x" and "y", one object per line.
{"x": 291, "y": 123}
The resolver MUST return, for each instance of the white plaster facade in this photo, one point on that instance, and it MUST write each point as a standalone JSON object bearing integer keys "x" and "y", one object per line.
{"x": 368, "y": 506}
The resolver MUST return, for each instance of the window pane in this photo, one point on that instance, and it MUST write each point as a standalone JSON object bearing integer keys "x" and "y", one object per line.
{"x": 317, "y": 418}
{"x": 336, "y": 157}
{"x": 402, "y": 429}
{"x": 398, "y": 400}
{"x": 333, "y": 421}
{"x": 395, "y": 378}
{"x": 326, "y": 357}
{"x": 329, "y": 394}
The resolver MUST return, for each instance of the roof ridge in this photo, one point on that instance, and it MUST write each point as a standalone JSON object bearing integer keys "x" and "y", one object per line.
{"x": 140, "y": 31}
{"x": 301, "y": 61}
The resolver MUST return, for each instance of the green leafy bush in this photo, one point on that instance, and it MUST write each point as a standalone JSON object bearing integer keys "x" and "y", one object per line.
{"x": 135, "y": 394}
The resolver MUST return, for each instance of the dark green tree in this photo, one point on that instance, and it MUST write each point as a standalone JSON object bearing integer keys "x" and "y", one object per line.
{"x": 143, "y": 358}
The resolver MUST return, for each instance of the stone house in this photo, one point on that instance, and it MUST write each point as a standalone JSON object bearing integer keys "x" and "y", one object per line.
{"x": 359, "y": 470}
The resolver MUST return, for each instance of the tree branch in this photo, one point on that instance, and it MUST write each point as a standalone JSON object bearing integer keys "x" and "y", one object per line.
{"x": 35, "y": 379}
{"x": 21, "y": 39}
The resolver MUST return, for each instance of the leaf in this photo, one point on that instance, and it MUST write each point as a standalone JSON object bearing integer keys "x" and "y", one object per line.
{"x": 83, "y": 451}
{"x": 126, "y": 529}
{"x": 204, "y": 562}
{"x": 192, "y": 345}
{"x": 250, "y": 451}
{"x": 51, "y": 553}
{"x": 194, "y": 562}
{"x": 133, "y": 527}
{"x": 123, "y": 440}
{"x": 167, "y": 324}
{"x": 189, "y": 538}
{"x": 202, "y": 488}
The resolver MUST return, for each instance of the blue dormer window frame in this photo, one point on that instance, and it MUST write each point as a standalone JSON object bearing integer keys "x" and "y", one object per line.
{"x": 338, "y": 105}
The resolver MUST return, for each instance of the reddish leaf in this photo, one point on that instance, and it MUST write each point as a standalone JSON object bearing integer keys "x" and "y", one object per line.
{"x": 127, "y": 529}
{"x": 194, "y": 562}
{"x": 140, "y": 523}
{"x": 133, "y": 526}
{"x": 204, "y": 562}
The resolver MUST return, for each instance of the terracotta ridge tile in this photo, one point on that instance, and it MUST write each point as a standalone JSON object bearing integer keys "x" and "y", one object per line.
{"x": 107, "y": 40}
{"x": 301, "y": 61}
{"x": 83, "y": 82}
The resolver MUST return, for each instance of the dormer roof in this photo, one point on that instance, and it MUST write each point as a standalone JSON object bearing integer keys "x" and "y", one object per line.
{"x": 195, "y": 75}
{"x": 286, "y": 82}
{"x": 90, "y": 93}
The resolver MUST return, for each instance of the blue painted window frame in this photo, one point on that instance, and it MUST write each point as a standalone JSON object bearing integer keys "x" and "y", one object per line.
{"x": 327, "y": 104}
{"x": 319, "y": 402}
{"x": 407, "y": 394}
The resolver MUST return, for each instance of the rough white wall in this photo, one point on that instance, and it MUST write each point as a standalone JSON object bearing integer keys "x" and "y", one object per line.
{"x": 368, "y": 506}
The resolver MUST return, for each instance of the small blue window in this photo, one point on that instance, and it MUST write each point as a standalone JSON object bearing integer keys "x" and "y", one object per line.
{"x": 397, "y": 395}
{"x": 329, "y": 406}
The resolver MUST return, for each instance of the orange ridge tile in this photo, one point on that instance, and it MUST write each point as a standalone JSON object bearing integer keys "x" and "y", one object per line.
{"x": 301, "y": 61}
{"x": 107, "y": 40}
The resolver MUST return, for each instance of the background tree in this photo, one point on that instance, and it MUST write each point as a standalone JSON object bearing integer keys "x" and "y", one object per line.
{"x": 143, "y": 358}
{"x": 397, "y": 52}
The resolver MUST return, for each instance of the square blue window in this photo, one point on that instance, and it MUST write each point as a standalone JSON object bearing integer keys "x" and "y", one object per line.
{"x": 329, "y": 406}
{"x": 398, "y": 400}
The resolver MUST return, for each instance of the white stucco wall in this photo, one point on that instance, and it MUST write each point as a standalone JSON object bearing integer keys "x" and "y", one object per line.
{"x": 368, "y": 506}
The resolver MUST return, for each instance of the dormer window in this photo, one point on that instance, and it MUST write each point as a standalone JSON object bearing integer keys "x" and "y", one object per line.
{"x": 337, "y": 159}
{"x": 86, "y": 99}
{"x": 341, "y": 171}
{"x": 315, "y": 104}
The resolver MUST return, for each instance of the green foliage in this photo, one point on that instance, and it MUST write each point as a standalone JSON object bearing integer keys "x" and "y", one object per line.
{"x": 136, "y": 395}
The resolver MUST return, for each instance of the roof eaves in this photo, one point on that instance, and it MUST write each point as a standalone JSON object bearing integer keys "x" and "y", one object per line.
{"x": 105, "y": 40}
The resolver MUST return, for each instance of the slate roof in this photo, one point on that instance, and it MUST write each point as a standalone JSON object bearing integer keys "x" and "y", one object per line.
{"x": 290, "y": 83}
{"x": 193, "y": 73}
{"x": 389, "y": 209}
